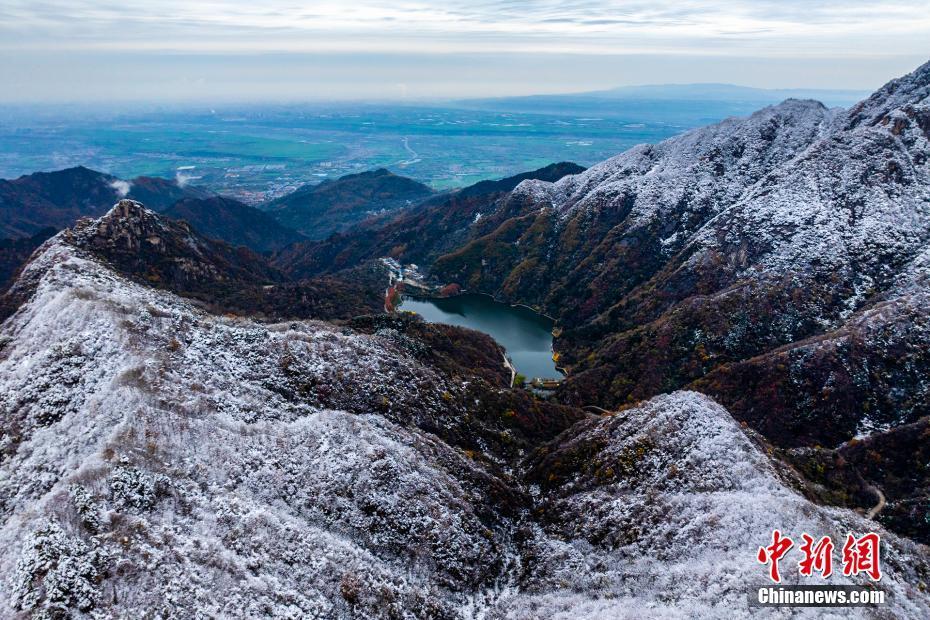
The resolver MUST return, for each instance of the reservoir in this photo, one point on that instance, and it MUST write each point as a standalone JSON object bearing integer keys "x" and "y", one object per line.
{"x": 526, "y": 335}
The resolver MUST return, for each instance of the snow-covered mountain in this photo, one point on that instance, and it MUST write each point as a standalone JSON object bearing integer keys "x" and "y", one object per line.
{"x": 158, "y": 460}
{"x": 775, "y": 262}
{"x": 794, "y": 187}
{"x": 751, "y": 298}
{"x": 594, "y": 236}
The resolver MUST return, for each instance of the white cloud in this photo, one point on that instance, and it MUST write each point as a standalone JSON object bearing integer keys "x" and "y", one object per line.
{"x": 54, "y": 49}
{"x": 548, "y": 26}
{"x": 183, "y": 176}
{"x": 122, "y": 187}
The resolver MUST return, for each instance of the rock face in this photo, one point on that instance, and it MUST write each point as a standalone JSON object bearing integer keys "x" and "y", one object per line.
{"x": 159, "y": 250}
{"x": 159, "y": 460}
{"x": 317, "y": 211}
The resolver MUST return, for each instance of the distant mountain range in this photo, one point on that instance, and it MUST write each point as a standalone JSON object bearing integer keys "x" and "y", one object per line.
{"x": 687, "y": 103}
{"x": 727, "y": 92}
{"x": 61, "y": 198}
{"x": 45, "y": 202}
{"x": 57, "y": 199}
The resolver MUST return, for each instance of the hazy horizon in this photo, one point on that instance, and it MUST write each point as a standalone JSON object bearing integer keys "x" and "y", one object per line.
{"x": 173, "y": 51}
{"x": 139, "y": 104}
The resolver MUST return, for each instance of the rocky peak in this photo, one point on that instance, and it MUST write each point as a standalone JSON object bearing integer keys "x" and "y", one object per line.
{"x": 908, "y": 94}
{"x": 140, "y": 243}
{"x": 153, "y": 249}
{"x": 130, "y": 227}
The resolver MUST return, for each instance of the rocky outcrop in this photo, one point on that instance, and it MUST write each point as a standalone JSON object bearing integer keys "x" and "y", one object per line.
{"x": 159, "y": 250}
{"x": 168, "y": 254}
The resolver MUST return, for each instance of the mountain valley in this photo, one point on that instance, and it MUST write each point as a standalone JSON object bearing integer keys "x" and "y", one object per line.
{"x": 210, "y": 408}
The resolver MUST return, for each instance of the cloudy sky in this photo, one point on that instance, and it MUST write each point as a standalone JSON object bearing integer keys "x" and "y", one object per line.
{"x": 78, "y": 50}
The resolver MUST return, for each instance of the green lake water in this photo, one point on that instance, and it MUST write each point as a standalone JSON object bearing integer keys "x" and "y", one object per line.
{"x": 526, "y": 335}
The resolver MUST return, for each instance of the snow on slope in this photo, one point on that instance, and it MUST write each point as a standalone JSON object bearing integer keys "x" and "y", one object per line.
{"x": 860, "y": 196}
{"x": 705, "y": 169}
{"x": 206, "y": 487}
{"x": 725, "y": 244}
{"x": 157, "y": 460}
{"x": 793, "y": 187}
{"x": 658, "y": 512}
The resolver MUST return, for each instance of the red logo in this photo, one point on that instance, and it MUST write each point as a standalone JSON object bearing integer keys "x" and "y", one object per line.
{"x": 773, "y": 553}
{"x": 860, "y": 555}
{"x": 817, "y": 557}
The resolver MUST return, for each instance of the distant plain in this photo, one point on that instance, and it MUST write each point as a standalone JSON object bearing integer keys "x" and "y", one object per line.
{"x": 258, "y": 152}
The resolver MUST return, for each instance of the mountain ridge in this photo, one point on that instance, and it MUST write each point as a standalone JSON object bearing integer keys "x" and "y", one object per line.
{"x": 414, "y": 235}
{"x": 181, "y": 433}
{"x": 317, "y": 211}
{"x": 58, "y": 199}
{"x": 152, "y": 448}
{"x": 719, "y": 91}
{"x": 233, "y": 222}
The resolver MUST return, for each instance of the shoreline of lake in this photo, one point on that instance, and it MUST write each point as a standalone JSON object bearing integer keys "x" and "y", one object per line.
{"x": 525, "y": 335}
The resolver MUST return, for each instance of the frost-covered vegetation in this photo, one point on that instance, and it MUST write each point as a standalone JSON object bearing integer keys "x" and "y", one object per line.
{"x": 654, "y": 512}
{"x": 225, "y": 466}
{"x": 160, "y": 461}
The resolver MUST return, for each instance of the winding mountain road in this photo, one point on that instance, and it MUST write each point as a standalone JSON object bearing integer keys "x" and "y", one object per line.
{"x": 871, "y": 514}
